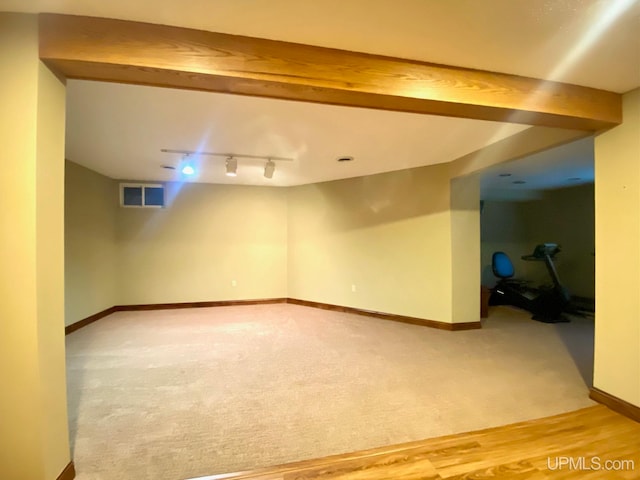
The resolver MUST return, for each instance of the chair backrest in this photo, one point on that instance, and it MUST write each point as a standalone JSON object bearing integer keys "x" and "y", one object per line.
{"x": 501, "y": 265}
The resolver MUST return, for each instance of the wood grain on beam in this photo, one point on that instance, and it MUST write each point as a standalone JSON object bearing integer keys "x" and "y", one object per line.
{"x": 147, "y": 54}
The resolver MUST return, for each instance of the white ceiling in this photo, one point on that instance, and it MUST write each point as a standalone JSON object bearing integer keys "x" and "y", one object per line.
{"x": 568, "y": 165}
{"x": 119, "y": 130}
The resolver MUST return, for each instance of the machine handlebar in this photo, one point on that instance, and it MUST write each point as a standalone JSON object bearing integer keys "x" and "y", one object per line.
{"x": 542, "y": 251}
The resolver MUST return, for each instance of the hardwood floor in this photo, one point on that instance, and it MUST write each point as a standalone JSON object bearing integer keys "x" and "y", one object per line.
{"x": 591, "y": 443}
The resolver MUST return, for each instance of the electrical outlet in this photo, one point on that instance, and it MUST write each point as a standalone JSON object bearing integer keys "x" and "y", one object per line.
{"x": 234, "y": 283}
{"x": 353, "y": 287}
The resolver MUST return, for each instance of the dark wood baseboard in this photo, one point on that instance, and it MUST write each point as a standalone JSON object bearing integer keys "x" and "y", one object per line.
{"x": 219, "y": 303}
{"x": 166, "y": 306}
{"x": 90, "y": 319}
{"x": 457, "y": 327}
{"x": 69, "y": 472}
{"x": 389, "y": 316}
{"x": 226, "y": 303}
{"x": 616, "y": 404}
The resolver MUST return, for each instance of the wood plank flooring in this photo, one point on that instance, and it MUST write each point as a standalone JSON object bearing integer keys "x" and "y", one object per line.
{"x": 591, "y": 443}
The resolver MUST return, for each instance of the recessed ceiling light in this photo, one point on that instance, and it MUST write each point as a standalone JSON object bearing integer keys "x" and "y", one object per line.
{"x": 345, "y": 159}
{"x": 504, "y": 175}
{"x": 518, "y": 182}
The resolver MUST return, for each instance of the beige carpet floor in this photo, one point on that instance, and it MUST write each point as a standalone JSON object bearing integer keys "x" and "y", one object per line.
{"x": 175, "y": 394}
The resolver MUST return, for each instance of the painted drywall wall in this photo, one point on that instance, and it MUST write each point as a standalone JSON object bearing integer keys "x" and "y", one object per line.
{"x": 91, "y": 205}
{"x": 465, "y": 248}
{"x": 381, "y": 242}
{"x": 564, "y": 216}
{"x": 211, "y": 242}
{"x": 504, "y": 229}
{"x": 617, "y": 194}
{"x": 34, "y": 441}
{"x": 50, "y": 269}
{"x": 388, "y": 235}
{"x": 21, "y": 425}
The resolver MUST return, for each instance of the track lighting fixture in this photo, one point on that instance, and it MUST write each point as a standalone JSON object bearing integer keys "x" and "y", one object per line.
{"x": 188, "y": 168}
{"x": 269, "y": 168}
{"x": 232, "y": 167}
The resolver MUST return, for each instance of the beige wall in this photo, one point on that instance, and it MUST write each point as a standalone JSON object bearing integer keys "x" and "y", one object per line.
{"x": 33, "y": 428}
{"x": 206, "y": 238}
{"x": 389, "y": 235}
{"x": 504, "y": 229}
{"x": 564, "y": 216}
{"x": 617, "y": 337}
{"x": 91, "y": 205}
{"x": 465, "y": 248}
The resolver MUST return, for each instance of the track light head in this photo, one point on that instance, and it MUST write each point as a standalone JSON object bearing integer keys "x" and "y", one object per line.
{"x": 187, "y": 168}
{"x": 232, "y": 167}
{"x": 269, "y": 168}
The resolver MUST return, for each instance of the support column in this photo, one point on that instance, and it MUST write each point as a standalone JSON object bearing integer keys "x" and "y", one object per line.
{"x": 465, "y": 249}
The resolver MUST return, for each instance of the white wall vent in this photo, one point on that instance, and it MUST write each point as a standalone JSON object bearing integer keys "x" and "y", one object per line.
{"x": 142, "y": 195}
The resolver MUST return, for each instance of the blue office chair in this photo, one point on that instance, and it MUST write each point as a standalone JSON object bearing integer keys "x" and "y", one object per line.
{"x": 509, "y": 290}
{"x": 502, "y": 266}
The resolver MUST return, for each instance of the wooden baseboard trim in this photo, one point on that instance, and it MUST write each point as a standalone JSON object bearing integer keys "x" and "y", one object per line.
{"x": 616, "y": 404}
{"x": 69, "y": 472}
{"x": 263, "y": 301}
{"x": 457, "y": 327}
{"x": 219, "y": 303}
{"x": 90, "y": 319}
{"x": 388, "y": 316}
{"x": 166, "y": 306}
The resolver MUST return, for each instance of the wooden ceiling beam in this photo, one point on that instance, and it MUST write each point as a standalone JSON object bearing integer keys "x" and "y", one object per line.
{"x": 147, "y": 54}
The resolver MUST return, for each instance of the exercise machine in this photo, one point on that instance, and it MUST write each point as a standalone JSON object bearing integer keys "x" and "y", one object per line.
{"x": 547, "y": 302}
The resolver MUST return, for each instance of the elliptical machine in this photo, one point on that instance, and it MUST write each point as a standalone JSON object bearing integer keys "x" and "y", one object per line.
{"x": 547, "y": 303}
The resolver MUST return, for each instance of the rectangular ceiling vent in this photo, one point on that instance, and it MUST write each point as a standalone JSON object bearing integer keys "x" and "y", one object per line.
{"x": 142, "y": 195}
